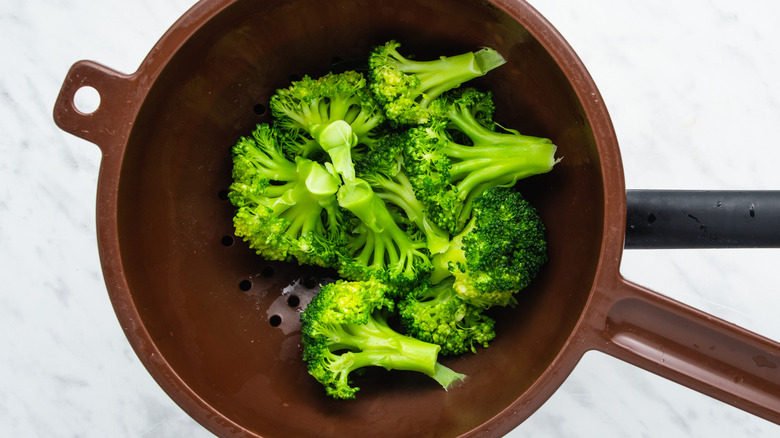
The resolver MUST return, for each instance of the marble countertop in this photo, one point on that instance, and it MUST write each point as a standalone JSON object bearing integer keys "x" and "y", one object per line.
{"x": 693, "y": 90}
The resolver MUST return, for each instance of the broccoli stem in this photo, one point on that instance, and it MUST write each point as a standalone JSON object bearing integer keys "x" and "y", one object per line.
{"x": 387, "y": 246}
{"x": 337, "y": 139}
{"x": 453, "y": 255}
{"x": 496, "y": 158}
{"x": 382, "y": 346}
{"x": 498, "y": 165}
{"x": 398, "y": 352}
{"x": 303, "y": 213}
{"x": 374, "y": 343}
{"x": 269, "y": 192}
{"x": 445, "y": 376}
{"x": 399, "y": 191}
{"x": 301, "y": 203}
{"x": 448, "y": 72}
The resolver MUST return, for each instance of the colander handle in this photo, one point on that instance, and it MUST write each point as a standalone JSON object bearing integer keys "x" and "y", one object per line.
{"x": 109, "y": 123}
{"x": 690, "y": 347}
{"x": 675, "y": 219}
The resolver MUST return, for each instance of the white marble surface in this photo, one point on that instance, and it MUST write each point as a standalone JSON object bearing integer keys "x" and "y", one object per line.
{"x": 693, "y": 90}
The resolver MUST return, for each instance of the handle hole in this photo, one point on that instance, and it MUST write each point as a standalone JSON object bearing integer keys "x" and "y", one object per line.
{"x": 86, "y": 100}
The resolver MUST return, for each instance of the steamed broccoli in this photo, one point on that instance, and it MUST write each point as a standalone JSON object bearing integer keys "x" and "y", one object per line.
{"x": 435, "y": 313}
{"x": 402, "y": 182}
{"x": 313, "y": 105}
{"x": 378, "y": 246}
{"x": 345, "y": 328}
{"x": 406, "y": 87}
{"x": 448, "y": 175}
{"x": 382, "y": 168}
{"x": 285, "y": 210}
{"x": 500, "y": 251}
{"x": 398, "y": 191}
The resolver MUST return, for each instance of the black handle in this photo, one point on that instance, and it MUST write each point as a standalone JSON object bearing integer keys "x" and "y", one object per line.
{"x": 676, "y": 219}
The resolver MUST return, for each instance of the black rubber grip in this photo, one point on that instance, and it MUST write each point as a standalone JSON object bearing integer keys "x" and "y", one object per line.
{"x": 677, "y": 219}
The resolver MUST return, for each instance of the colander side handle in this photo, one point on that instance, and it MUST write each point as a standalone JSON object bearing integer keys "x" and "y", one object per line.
{"x": 690, "y": 347}
{"x": 110, "y": 122}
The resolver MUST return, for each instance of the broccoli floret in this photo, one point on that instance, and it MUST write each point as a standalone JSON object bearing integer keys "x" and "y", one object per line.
{"x": 398, "y": 191}
{"x": 285, "y": 210}
{"x": 435, "y": 313}
{"x": 379, "y": 247}
{"x": 478, "y": 105}
{"x": 299, "y": 143}
{"x": 448, "y": 175}
{"x": 383, "y": 169}
{"x": 313, "y": 105}
{"x": 501, "y": 250}
{"x": 385, "y": 157}
{"x": 344, "y": 328}
{"x": 406, "y": 87}
{"x": 428, "y": 172}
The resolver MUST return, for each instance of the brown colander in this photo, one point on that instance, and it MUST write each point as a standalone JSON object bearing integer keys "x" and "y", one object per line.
{"x": 218, "y": 327}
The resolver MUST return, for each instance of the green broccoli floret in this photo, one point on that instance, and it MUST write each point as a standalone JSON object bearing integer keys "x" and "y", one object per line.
{"x": 499, "y": 253}
{"x": 382, "y": 168}
{"x": 285, "y": 210}
{"x": 478, "y": 106}
{"x": 299, "y": 143}
{"x": 428, "y": 172}
{"x": 435, "y": 313}
{"x": 385, "y": 157}
{"x": 344, "y": 329}
{"x": 313, "y": 105}
{"x": 448, "y": 175}
{"x": 379, "y": 247}
{"x": 398, "y": 191}
{"x": 406, "y": 87}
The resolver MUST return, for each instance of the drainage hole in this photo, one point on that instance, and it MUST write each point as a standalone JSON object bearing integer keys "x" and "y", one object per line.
{"x": 293, "y": 301}
{"x": 310, "y": 283}
{"x": 245, "y": 285}
{"x": 268, "y": 271}
{"x": 275, "y": 320}
{"x": 259, "y": 109}
{"x": 227, "y": 240}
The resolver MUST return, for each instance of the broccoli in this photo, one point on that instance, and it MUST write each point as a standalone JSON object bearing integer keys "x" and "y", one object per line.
{"x": 405, "y": 88}
{"x": 401, "y": 181}
{"x": 344, "y": 328}
{"x": 337, "y": 139}
{"x": 448, "y": 176}
{"x": 385, "y": 157}
{"x": 285, "y": 210}
{"x": 398, "y": 191}
{"x": 382, "y": 168}
{"x": 499, "y": 252}
{"x": 299, "y": 143}
{"x": 378, "y": 246}
{"x": 435, "y": 313}
{"x": 313, "y": 105}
